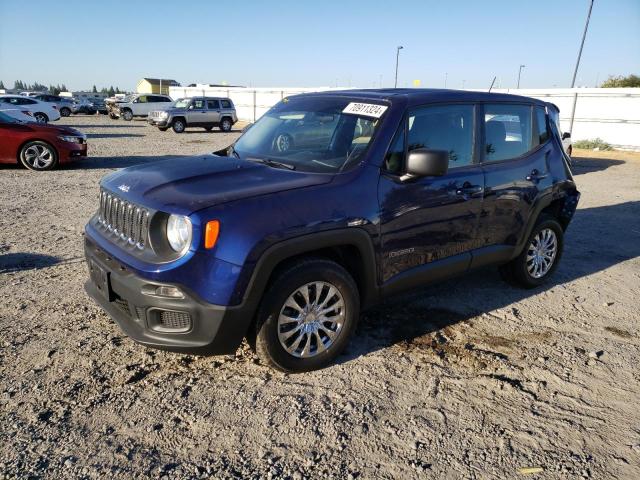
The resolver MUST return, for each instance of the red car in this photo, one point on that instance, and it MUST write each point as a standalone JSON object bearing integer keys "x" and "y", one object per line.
{"x": 39, "y": 146}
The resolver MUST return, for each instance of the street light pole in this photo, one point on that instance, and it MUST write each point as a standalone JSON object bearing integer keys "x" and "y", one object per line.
{"x": 445, "y": 79}
{"x": 519, "y": 72}
{"x": 584, "y": 35}
{"x": 400, "y": 47}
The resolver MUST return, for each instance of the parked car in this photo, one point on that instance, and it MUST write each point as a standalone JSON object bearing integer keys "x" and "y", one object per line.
{"x": 205, "y": 112}
{"x": 83, "y": 106}
{"x": 554, "y": 116}
{"x": 287, "y": 247}
{"x": 139, "y": 105}
{"x": 22, "y": 115}
{"x": 99, "y": 105}
{"x": 43, "y": 112}
{"x": 111, "y": 103}
{"x": 63, "y": 104}
{"x": 37, "y": 146}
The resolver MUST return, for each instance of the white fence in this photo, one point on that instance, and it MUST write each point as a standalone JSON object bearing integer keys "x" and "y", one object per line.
{"x": 612, "y": 114}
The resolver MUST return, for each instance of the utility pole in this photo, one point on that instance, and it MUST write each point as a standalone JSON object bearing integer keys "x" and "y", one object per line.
{"x": 445, "y": 79}
{"x": 519, "y": 72}
{"x": 584, "y": 36}
{"x": 400, "y": 47}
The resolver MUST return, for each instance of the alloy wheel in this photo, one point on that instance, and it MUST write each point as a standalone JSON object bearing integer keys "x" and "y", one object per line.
{"x": 38, "y": 156}
{"x": 311, "y": 319}
{"x": 542, "y": 253}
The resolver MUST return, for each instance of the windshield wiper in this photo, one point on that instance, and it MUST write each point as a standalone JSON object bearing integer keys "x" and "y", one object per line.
{"x": 272, "y": 163}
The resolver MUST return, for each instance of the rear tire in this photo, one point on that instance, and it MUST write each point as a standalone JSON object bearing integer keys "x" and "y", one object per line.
{"x": 38, "y": 155}
{"x": 298, "y": 331}
{"x": 65, "y": 112}
{"x": 41, "y": 117}
{"x": 540, "y": 256}
{"x": 178, "y": 125}
{"x": 226, "y": 124}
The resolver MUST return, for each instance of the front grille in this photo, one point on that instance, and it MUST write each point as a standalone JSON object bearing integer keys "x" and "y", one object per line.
{"x": 175, "y": 320}
{"x": 124, "y": 220}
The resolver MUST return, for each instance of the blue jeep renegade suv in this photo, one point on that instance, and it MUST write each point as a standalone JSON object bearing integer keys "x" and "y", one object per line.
{"x": 329, "y": 203}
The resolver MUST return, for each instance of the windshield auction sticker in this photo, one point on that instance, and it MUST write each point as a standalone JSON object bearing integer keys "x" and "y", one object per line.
{"x": 365, "y": 109}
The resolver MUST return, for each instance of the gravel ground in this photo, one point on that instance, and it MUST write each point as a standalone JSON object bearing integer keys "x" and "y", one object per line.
{"x": 467, "y": 379}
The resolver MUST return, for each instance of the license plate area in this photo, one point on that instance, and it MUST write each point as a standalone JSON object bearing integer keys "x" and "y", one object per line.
{"x": 100, "y": 277}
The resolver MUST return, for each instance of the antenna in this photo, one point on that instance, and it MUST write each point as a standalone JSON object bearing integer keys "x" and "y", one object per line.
{"x": 494, "y": 81}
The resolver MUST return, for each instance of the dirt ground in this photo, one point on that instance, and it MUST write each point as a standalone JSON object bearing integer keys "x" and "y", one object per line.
{"x": 469, "y": 379}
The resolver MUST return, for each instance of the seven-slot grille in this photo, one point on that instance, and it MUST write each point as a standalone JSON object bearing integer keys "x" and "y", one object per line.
{"x": 124, "y": 219}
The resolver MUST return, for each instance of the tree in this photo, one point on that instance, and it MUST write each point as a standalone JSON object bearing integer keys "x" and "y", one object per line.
{"x": 1, "y": 85}
{"x": 112, "y": 92}
{"x": 621, "y": 82}
{"x": 94, "y": 90}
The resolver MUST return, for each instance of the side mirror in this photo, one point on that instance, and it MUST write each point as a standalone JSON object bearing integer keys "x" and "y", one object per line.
{"x": 190, "y": 107}
{"x": 566, "y": 135}
{"x": 423, "y": 162}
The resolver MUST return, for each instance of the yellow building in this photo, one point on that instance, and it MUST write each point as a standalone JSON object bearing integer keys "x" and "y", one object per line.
{"x": 156, "y": 85}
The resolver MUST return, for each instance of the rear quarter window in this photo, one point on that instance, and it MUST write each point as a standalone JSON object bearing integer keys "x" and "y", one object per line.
{"x": 225, "y": 103}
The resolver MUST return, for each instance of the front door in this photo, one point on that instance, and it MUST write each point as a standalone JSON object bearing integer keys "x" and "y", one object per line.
{"x": 430, "y": 221}
{"x": 197, "y": 112}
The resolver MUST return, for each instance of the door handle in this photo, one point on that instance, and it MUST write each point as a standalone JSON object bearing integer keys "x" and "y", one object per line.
{"x": 535, "y": 176}
{"x": 470, "y": 190}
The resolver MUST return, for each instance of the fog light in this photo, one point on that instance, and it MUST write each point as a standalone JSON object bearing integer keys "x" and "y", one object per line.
{"x": 162, "y": 291}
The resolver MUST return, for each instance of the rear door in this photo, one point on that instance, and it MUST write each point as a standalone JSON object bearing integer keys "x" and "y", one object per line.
{"x": 516, "y": 169}
{"x": 430, "y": 219}
{"x": 213, "y": 111}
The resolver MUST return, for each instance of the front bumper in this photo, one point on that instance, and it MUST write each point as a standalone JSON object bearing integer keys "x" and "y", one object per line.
{"x": 158, "y": 122}
{"x": 186, "y": 325}
{"x": 72, "y": 151}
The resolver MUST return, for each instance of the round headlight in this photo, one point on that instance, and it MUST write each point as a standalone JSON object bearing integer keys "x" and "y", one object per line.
{"x": 179, "y": 232}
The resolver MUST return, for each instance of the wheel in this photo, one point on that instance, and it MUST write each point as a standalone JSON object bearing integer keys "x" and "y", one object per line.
{"x": 307, "y": 316}
{"x": 283, "y": 142}
{"x": 41, "y": 117}
{"x": 178, "y": 125}
{"x": 163, "y": 129}
{"x": 540, "y": 257}
{"x": 226, "y": 124}
{"x": 127, "y": 115}
{"x": 38, "y": 155}
{"x": 208, "y": 129}
{"x": 65, "y": 112}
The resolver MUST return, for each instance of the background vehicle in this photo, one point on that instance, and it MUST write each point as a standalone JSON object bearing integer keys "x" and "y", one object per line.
{"x": 554, "y": 116}
{"x": 286, "y": 246}
{"x": 83, "y": 105}
{"x": 206, "y": 112}
{"x": 64, "y": 105}
{"x": 43, "y": 112}
{"x": 99, "y": 105}
{"x": 37, "y": 146}
{"x": 22, "y": 115}
{"x": 139, "y": 105}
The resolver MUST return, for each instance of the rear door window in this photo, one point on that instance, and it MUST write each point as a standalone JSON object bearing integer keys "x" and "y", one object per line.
{"x": 508, "y": 131}
{"x": 213, "y": 105}
{"x": 443, "y": 127}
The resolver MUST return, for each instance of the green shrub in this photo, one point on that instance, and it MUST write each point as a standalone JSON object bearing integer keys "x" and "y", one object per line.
{"x": 621, "y": 82}
{"x": 596, "y": 143}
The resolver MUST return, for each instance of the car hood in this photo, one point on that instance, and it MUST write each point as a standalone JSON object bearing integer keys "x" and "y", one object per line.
{"x": 184, "y": 185}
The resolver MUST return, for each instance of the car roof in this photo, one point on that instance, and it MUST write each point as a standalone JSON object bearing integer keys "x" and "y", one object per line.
{"x": 419, "y": 96}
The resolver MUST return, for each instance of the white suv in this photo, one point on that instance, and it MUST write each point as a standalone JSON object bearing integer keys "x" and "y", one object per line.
{"x": 43, "y": 112}
{"x": 141, "y": 105}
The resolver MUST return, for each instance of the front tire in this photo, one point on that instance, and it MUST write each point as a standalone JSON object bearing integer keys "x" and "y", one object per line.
{"x": 38, "y": 155}
{"x": 179, "y": 125}
{"x": 540, "y": 257}
{"x": 163, "y": 129}
{"x": 127, "y": 115}
{"x": 307, "y": 316}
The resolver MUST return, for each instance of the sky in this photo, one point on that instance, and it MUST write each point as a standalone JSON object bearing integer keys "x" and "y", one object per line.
{"x": 317, "y": 43}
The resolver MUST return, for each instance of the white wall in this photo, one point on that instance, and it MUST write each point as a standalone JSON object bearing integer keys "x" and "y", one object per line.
{"x": 613, "y": 114}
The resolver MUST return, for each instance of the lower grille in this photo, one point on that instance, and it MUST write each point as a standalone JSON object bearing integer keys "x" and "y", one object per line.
{"x": 175, "y": 320}
{"x": 122, "y": 305}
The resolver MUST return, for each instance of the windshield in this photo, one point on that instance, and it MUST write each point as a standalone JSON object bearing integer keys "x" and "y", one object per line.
{"x": 182, "y": 103}
{"x": 311, "y": 134}
{"x": 4, "y": 118}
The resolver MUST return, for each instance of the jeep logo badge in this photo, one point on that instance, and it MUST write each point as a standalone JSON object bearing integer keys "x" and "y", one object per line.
{"x": 124, "y": 188}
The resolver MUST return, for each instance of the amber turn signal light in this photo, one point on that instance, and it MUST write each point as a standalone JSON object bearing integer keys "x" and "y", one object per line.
{"x": 211, "y": 233}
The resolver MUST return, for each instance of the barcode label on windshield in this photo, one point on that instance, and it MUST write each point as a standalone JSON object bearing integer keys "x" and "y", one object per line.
{"x": 365, "y": 109}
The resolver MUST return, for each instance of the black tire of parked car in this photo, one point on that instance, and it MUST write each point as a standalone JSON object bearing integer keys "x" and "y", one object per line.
{"x": 65, "y": 112}
{"x": 208, "y": 129}
{"x": 46, "y": 148}
{"x": 286, "y": 282}
{"x": 226, "y": 124}
{"x": 127, "y": 115}
{"x": 178, "y": 125}
{"x": 41, "y": 117}
{"x": 516, "y": 271}
{"x": 163, "y": 129}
